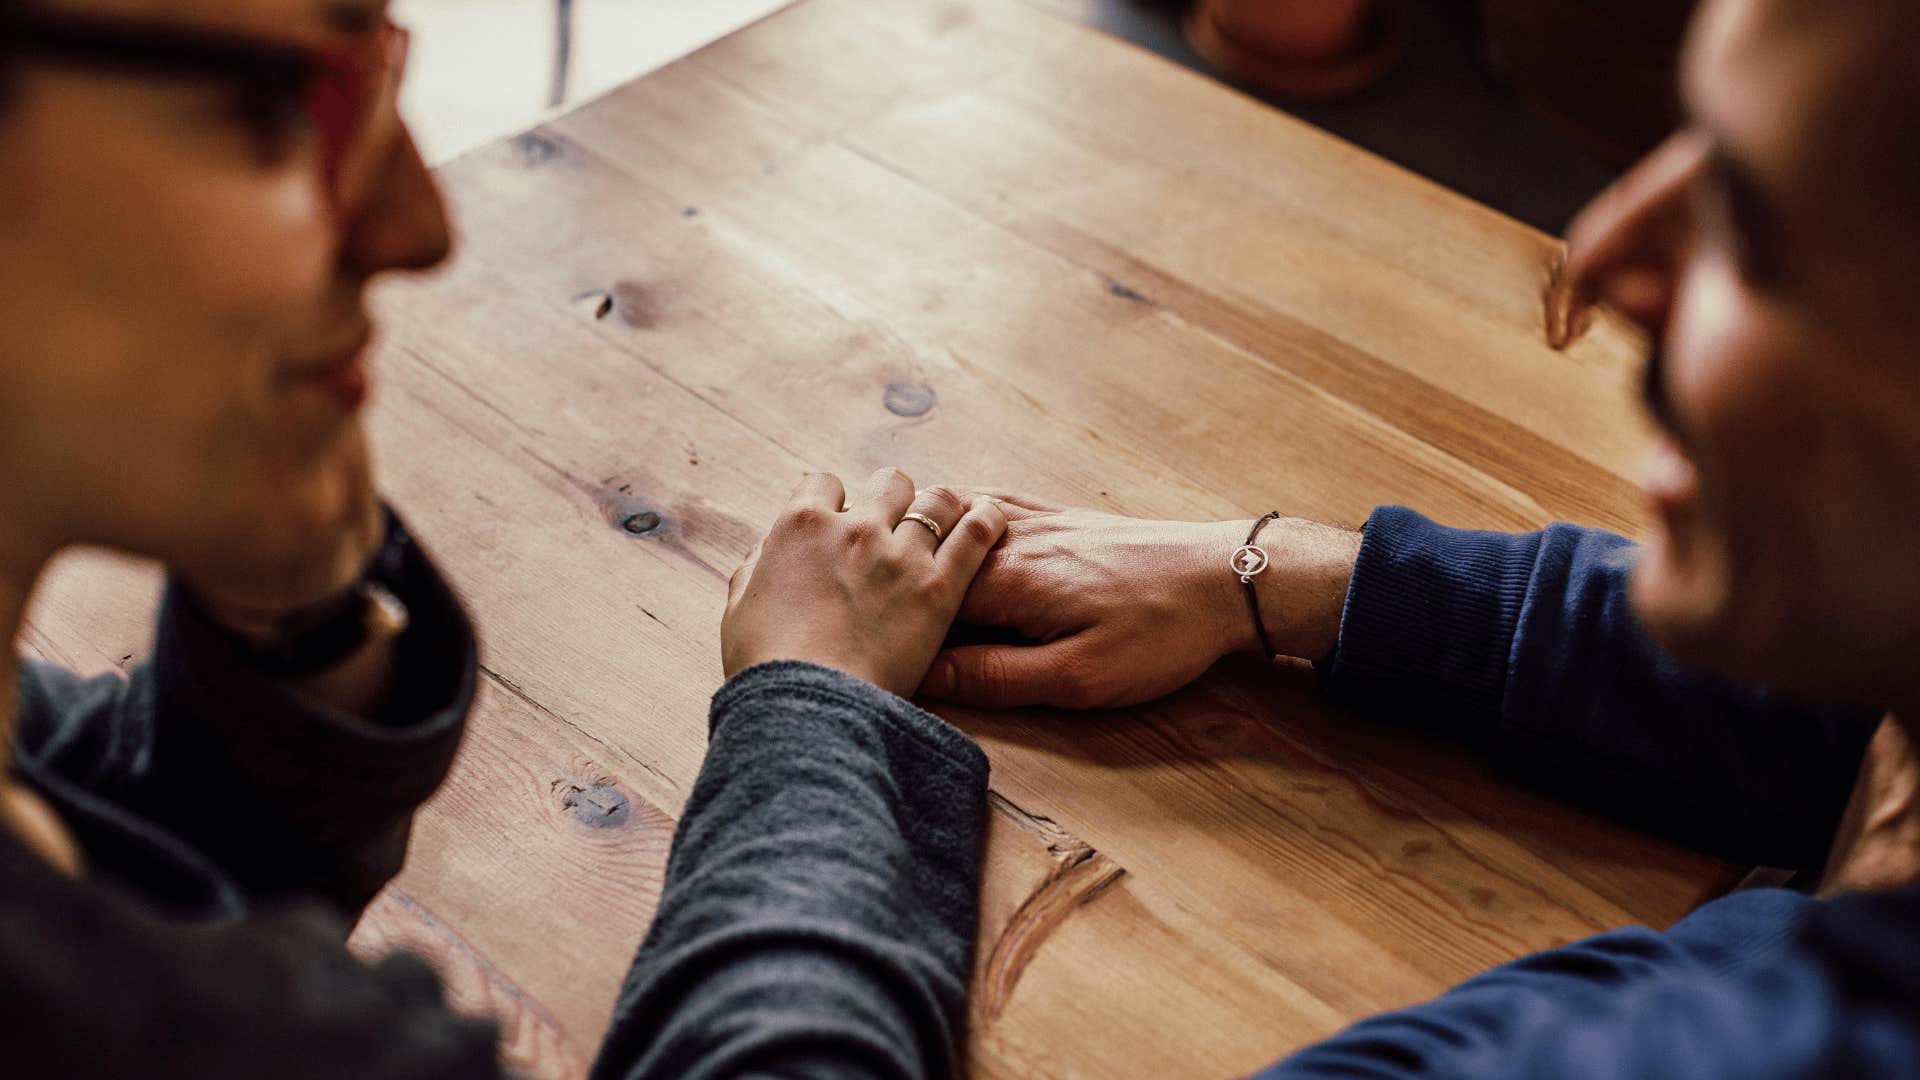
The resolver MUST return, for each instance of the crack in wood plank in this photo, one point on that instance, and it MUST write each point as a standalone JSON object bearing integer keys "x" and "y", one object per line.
{"x": 530, "y": 702}
{"x": 1079, "y": 874}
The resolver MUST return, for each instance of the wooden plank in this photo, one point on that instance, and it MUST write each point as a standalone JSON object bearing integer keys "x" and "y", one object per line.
{"x": 981, "y": 243}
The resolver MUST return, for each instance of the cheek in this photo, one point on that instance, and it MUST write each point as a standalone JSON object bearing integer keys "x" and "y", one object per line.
{"x": 151, "y": 290}
{"x": 245, "y": 259}
{"x": 1753, "y": 387}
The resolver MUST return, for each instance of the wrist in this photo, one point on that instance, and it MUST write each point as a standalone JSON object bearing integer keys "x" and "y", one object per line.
{"x": 1301, "y": 593}
{"x": 1304, "y": 593}
{"x": 1226, "y": 597}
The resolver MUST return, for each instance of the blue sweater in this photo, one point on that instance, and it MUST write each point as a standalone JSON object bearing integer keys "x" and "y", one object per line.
{"x": 1529, "y": 642}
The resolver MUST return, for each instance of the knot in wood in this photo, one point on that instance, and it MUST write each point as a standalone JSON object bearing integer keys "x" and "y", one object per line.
{"x": 909, "y": 399}
{"x": 642, "y": 523}
{"x": 600, "y": 806}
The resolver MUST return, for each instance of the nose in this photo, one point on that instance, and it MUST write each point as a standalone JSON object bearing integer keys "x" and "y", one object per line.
{"x": 399, "y": 222}
{"x": 1625, "y": 246}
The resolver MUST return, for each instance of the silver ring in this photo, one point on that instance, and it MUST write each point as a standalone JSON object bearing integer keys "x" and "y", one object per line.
{"x": 932, "y": 525}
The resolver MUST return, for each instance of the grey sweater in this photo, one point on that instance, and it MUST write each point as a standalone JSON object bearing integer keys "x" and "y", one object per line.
{"x": 817, "y": 919}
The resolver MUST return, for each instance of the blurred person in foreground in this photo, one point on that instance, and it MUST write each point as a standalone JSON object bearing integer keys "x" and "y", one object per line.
{"x": 196, "y": 197}
{"x": 1769, "y": 250}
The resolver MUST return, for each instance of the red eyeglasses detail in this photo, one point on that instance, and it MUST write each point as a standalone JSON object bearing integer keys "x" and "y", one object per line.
{"x": 350, "y": 96}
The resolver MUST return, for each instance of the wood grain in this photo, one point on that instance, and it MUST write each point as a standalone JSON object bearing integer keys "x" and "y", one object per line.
{"x": 985, "y": 244}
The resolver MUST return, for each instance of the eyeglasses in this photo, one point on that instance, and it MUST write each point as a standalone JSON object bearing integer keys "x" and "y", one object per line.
{"x": 345, "y": 93}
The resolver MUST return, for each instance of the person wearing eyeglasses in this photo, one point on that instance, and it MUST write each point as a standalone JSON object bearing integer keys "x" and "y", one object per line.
{"x": 196, "y": 195}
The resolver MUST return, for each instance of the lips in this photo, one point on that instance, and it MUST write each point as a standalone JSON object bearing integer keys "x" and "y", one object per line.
{"x": 340, "y": 375}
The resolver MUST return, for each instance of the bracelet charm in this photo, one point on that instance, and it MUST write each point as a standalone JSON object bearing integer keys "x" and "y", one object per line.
{"x": 1247, "y": 561}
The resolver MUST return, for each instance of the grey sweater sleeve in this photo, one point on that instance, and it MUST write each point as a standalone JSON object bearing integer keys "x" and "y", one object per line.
{"x": 820, "y": 901}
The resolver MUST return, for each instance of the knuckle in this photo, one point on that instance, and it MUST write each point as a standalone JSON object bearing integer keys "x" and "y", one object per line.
{"x": 804, "y": 519}
{"x": 933, "y": 592}
{"x": 861, "y": 535}
{"x": 1079, "y": 685}
{"x": 890, "y": 475}
{"x": 990, "y": 676}
{"x": 978, "y": 528}
{"x": 943, "y": 497}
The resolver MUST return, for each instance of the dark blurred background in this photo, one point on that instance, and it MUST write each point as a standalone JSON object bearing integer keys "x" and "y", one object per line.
{"x": 1529, "y": 106}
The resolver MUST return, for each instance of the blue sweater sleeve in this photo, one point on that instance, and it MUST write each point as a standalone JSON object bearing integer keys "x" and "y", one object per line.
{"x": 1526, "y": 646}
{"x": 1760, "y": 985}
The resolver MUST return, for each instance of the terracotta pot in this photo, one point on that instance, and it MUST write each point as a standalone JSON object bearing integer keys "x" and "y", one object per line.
{"x": 1304, "y": 49}
{"x": 1302, "y": 29}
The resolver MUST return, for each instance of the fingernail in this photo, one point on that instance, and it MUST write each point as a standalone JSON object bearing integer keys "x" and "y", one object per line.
{"x": 940, "y": 679}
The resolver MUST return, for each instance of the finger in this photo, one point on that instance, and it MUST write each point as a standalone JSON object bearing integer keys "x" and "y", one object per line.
{"x": 1008, "y": 676}
{"x": 1016, "y": 504}
{"x": 999, "y": 596}
{"x": 939, "y": 505}
{"x": 968, "y": 542}
{"x": 818, "y": 491}
{"x": 888, "y": 494}
{"x": 1630, "y": 220}
{"x": 743, "y": 577}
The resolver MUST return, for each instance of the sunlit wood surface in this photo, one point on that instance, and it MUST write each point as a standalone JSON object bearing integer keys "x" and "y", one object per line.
{"x": 982, "y": 242}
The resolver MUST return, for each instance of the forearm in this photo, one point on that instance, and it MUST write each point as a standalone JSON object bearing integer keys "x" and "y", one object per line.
{"x": 819, "y": 909}
{"x": 1527, "y": 646}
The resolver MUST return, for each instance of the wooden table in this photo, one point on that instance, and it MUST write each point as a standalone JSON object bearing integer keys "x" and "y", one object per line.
{"x": 982, "y": 242}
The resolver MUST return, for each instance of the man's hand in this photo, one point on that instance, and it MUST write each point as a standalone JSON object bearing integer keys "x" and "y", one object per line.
{"x": 859, "y": 589}
{"x": 1619, "y": 238}
{"x": 1878, "y": 843}
{"x": 1122, "y": 610}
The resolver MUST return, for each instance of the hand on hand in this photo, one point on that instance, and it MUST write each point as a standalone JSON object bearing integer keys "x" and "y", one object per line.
{"x": 858, "y": 589}
{"x": 1119, "y": 610}
{"x": 1122, "y": 610}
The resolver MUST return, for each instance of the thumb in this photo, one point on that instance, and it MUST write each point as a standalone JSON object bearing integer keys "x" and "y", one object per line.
{"x": 1009, "y": 676}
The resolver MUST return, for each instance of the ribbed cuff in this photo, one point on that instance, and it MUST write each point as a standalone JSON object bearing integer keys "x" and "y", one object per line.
{"x": 1426, "y": 637}
{"x": 819, "y": 684}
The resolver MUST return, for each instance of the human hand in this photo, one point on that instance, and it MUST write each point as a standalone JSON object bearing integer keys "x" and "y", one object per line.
{"x": 859, "y": 589}
{"x": 1877, "y": 846}
{"x": 1618, "y": 238}
{"x": 1122, "y": 610}
{"x": 311, "y": 558}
